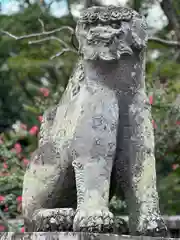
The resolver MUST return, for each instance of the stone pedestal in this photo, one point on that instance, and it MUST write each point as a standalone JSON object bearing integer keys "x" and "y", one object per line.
{"x": 72, "y": 236}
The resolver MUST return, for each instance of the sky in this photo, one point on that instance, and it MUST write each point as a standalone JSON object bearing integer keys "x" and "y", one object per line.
{"x": 156, "y": 18}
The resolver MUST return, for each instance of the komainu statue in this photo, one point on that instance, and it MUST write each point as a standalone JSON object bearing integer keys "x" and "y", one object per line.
{"x": 99, "y": 138}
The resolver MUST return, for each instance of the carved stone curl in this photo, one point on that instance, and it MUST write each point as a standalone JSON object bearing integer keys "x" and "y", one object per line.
{"x": 100, "y": 137}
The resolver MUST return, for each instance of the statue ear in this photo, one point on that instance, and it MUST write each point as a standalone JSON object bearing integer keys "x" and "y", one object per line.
{"x": 139, "y": 32}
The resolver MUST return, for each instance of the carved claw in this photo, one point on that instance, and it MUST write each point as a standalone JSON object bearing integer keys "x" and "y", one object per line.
{"x": 49, "y": 220}
{"x": 93, "y": 221}
{"x": 156, "y": 228}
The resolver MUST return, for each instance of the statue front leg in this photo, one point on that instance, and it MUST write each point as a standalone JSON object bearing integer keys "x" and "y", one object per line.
{"x": 143, "y": 199}
{"x": 94, "y": 148}
{"x": 93, "y": 182}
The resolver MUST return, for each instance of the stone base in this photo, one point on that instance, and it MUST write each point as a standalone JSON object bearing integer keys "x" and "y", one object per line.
{"x": 72, "y": 236}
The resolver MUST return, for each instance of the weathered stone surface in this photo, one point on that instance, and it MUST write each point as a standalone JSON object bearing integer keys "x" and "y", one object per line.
{"x": 172, "y": 222}
{"x": 72, "y": 236}
{"x": 100, "y": 137}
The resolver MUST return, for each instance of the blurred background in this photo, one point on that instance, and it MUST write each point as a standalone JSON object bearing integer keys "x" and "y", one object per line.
{"x": 30, "y": 83}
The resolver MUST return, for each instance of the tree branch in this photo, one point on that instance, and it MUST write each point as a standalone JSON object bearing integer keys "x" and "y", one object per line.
{"x": 37, "y": 34}
{"x": 49, "y": 38}
{"x": 168, "y": 43}
{"x": 171, "y": 14}
{"x": 49, "y": 4}
{"x": 154, "y": 39}
{"x": 62, "y": 52}
{"x": 66, "y": 48}
{"x": 42, "y": 25}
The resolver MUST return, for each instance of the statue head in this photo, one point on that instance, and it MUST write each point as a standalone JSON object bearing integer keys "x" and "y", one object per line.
{"x": 109, "y": 32}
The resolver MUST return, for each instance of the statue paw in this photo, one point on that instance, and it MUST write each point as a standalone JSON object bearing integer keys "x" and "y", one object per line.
{"x": 89, "y": 220}
{"x": 49, "y": 220}
{"x": 155, "y": 228}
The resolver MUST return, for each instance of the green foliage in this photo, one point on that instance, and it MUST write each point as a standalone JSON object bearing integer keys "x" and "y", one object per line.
{"x": 12, "y": 167}
{"x": 14, "y": 155}
{"x": 22, "y": 66}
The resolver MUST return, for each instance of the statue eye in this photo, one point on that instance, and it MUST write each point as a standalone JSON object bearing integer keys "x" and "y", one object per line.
{"x": 115, "y": 25}
{"x": 95, "y": 42}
